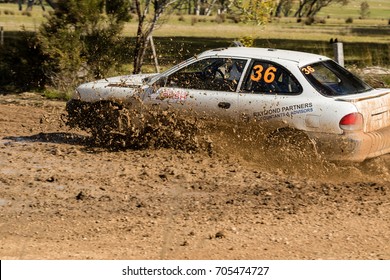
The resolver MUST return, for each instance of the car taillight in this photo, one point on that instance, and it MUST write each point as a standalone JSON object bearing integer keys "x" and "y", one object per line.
{"x": 351, "y": 122}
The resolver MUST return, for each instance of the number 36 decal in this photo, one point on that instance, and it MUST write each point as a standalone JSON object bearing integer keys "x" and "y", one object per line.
{"x": 308, "y": 70}
{"x": 268, "y": 76}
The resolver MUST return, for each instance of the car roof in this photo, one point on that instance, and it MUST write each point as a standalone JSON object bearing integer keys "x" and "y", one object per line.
{"x": 264, "y": 53}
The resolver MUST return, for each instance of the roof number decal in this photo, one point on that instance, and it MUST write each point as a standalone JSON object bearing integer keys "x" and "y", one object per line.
{"x": 269, "y": 74}
{"x": 308, "y": 70}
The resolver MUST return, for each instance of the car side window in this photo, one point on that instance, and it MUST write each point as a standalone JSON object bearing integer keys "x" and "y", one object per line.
{"x": 220, "y": 74}
{"x": 268, "y": 77}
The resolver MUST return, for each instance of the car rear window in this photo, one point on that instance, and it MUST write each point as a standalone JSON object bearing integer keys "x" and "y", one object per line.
{"x": 330, "y": 79}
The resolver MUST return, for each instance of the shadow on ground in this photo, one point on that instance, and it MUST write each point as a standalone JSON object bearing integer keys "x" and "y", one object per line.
{"x": 54, "y": 137}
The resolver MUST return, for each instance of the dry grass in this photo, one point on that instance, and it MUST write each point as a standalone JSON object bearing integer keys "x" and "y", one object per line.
{"x": 284, "y": 28}
{"x": 270, "y": 31}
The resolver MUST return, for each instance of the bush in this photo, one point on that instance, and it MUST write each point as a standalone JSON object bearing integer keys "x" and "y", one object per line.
{"x": 80, "y": 38}
{"x": 364, "y": 10}
{"x": 221, "y": 18}
{"x": 309, "y": 21}
{"x": 182, "y": 18}
{"x": 21, "y": 64}
{"x": 247, "y": 41}
{"x": 234, "y": 18}
{"x": 322, "y": 21}
{"x": 194, "y": 20}
{"x": 313, "y": 20}
{"x": 349, "y": 20}
{"x": 26, "y": 13}
{"x": 9, "y": 12}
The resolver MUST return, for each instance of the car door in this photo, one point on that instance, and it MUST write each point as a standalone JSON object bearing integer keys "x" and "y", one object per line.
{"x": 272, "y": 97}
{"x": 206, "y": 87}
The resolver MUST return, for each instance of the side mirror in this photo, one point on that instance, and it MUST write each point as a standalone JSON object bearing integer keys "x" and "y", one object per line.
{"x": 161, "y": 82}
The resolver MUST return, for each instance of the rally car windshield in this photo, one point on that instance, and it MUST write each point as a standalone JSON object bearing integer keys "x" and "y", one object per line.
{"x": 330, "y": 79}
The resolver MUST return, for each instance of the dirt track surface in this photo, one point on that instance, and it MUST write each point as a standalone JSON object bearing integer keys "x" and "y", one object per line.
{"x": 61, "y": 198}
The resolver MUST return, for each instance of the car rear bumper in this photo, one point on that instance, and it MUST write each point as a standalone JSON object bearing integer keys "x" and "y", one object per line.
{"x": 354, "y": 146}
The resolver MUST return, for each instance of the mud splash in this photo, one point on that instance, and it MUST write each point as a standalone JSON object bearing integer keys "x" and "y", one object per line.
{"x": 294, "y": 155}
{"x": 116, "y": 126}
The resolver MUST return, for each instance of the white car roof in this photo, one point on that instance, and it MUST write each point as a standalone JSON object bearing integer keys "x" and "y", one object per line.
{"x": 300, "y": 58}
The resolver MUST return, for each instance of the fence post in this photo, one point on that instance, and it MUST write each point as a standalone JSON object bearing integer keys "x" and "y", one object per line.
{"x": 338, "y": 52}
{"x": 1, "y": 35}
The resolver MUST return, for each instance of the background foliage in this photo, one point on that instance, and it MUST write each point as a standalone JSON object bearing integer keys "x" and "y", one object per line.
{"x": 91, "y": 39}
{"x": 21, "y": 63}
{"x": 82, "y": 41}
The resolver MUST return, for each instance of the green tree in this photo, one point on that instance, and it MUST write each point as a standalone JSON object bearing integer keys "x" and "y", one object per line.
{"x": 364, "y": 10}
{"x": 149, "y": 14}
{"x": 82, "y": 38}
{"x": 31, "y": 3}
{"x": 283, "y": 7}
{"x": 310, "y": 8}
{"x": 256, "y": 11}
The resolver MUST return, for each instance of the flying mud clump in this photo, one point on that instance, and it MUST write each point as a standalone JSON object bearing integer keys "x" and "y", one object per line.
{"x": 119, "y": 126}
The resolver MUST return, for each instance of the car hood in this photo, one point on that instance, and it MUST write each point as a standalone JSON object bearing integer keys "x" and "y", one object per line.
{"x": 118, "y": 88}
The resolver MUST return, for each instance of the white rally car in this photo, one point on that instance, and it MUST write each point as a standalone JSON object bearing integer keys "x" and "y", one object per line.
{"x": 272, "y": 88}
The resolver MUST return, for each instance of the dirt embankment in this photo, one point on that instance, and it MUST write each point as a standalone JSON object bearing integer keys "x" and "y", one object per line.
{"x": 62, "y": 198}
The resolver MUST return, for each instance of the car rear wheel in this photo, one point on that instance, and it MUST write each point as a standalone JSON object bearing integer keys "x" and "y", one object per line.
{"x": 291, "y": 145}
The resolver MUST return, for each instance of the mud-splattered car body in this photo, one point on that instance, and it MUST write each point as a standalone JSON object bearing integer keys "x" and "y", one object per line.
{"x": 275, "y": 89}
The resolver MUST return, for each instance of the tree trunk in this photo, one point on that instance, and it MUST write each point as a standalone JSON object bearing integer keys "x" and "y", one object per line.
{"x": 30, "y": 4}
{"x": 51, "y": 4}
{"x": 145, "y": 29}
{"x": 139, "y": 53}
{"x": 278, "y": 9}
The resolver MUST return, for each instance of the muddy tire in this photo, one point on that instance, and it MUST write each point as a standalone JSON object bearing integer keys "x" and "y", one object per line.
{"x": 291, "y": 144}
